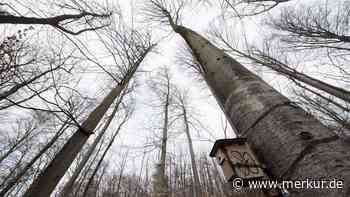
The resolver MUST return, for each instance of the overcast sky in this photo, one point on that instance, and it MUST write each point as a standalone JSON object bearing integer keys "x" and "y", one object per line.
{"x": 139, "y": 129}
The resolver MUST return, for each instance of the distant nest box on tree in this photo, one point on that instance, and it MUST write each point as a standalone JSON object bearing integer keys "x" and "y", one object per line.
{"x": 237, "y": 159}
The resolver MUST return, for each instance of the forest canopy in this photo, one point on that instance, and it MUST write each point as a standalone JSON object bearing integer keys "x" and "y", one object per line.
{"x": 127, "y": 98}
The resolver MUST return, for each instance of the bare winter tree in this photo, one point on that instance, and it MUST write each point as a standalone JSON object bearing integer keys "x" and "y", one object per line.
{"x": 19, "y": 175}
{"x": 326, "y": 109}
{"x": 68, "y": 186}
{"x": 241, "y": 8}
{"x": 287, "y": 139}
{"x": 318, "y": 32}
{"x": 264, "y": 58}
{"x": 26, "y": 66}
{"x": 77, "y": 16}
{"x": 128, "y": 110}
{"x": 186, "y": 112}
{"x": 162, "y": 86}
{"x": 52, "y": 132}
{"x": 135, "y": 48}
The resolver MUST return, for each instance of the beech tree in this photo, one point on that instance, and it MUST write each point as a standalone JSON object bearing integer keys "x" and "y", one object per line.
{"x": 287, "y": 139}
{"x": 185, "y": 111}
{"x": 318, "y": 31}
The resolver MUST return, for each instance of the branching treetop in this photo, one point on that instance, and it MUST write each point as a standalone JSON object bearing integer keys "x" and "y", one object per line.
{"x": 80, "y": 14}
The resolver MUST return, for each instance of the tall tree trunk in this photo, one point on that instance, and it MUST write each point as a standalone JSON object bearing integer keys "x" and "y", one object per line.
{"x": 80, "y": 182}
{"x": 49, "y": 178}
{"x": 104, "y": 154}
{"x": 68, "y": 186}
{"x": 164, "y": 139}
{"x": 197, "y": 185}
{"x": 292, "y": 144}
{"x": 160, "y": 185}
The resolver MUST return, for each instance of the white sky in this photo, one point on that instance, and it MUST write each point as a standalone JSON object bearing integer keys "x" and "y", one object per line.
{"x": 137, "y": 131}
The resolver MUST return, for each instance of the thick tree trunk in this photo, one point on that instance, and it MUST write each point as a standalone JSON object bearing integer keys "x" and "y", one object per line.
{"x": 68, "y": 186}
{"x": 292, "y": 144}
{"x": 197, "y": 185}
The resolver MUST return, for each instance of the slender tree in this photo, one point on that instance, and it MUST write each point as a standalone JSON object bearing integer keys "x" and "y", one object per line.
{"x": 182, "y": 99}
{"x": 163, "y": 88}
{"x": 20, "y": 174}
{"x": 128, "y": 112}
{"x": 264, "y": 59}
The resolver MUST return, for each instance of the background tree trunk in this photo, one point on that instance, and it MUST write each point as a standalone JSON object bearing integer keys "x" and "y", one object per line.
{"x": 197, "y": 185}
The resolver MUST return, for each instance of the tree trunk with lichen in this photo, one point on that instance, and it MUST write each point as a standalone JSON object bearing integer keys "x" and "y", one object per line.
{"x": 292, "y": 143}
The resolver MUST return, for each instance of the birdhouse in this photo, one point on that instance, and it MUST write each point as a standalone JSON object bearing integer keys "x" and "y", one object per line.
{"x": 237, "y": 159}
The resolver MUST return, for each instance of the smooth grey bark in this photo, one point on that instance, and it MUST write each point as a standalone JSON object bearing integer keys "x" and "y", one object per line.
{"x": 291, "y": 143}
{"x": 197, "y": 185}
{"x": 68, "y": 186}
{"x": 49, "y": 178}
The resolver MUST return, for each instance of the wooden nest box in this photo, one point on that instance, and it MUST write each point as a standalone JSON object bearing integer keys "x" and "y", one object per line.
{"x": 237, "y": 159}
